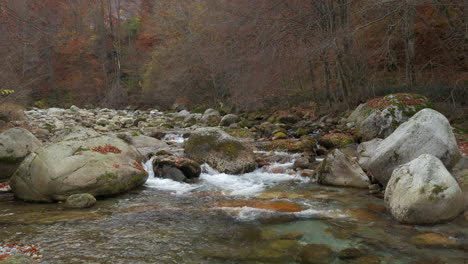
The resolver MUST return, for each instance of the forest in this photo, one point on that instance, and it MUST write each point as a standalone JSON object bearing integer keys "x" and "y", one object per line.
{"x": 239, "y": 55}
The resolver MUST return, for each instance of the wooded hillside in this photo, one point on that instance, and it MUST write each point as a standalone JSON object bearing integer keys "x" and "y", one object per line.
{"x": 239, "y": 54}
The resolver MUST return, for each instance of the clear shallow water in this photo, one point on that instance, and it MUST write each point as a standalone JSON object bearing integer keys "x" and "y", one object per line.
{"x": 259, "y": 217}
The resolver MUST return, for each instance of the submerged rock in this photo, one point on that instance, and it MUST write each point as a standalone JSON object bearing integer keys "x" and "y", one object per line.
{"x": 427, "y": 132}
{"x": 423, "y": 192}
{"x": 220, "y": 150}
{"x": 15, "y": 145}
{"x": 341, "y": 170}
{"x": 82, "y": 200}
{"x": 316, "y": 254}
{"x": 100, "y": 166}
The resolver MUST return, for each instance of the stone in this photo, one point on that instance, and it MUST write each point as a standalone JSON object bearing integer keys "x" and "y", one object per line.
{"x": 102, "y": 121}
{"x": 229, "y": 119}
{"x": 210, "y": 115}
{"x": 100, "y": 166}
{"x": 423, "y": 192}
{"x": 427, "y": 132}
{"x": 434, "y": 240}
{"x": 340, "y": 169}
{"x": 366, "y": 149}
{"x": 147, "y": 146}
{"x": 189, "y": 168}
{"x": 316, "y": 254}
{"x": 379, "y": 117}
{"x": 182, "y": 114}
{"x": 172, "y": 173}
{"x": 15, "y": 145}
{"x": 220, "y": 150}
{"x": 335, "y": 140}
{"x": 82, "y": 200}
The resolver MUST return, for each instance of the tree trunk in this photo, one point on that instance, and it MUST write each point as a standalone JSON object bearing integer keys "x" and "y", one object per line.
{"x": 409, "y": 19}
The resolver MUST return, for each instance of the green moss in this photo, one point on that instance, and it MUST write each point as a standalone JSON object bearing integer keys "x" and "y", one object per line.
{"x": 239, "y": 132}
{"x": 80, "y": 149}
{"x": 280, "y": 135}
{"x": 135, "y": 134}
{"x": 436, "y": 189}
{"x": 200, "y": 142}
{"x": 10, "y": 160}
{"x": 106, "y": 177}
{"x": 246, "y": 123}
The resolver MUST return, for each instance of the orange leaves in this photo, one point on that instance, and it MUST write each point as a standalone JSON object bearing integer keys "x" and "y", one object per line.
{"x": 106, "y": 149}
{"x": 138, "y": 166}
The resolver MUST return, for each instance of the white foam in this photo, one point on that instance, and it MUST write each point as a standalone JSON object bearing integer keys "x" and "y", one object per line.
{"x": 177, "y": 138}
{"x": 166, "y": 184}
{"x": 247, "y": 184}
{"x": 174, "y": 187}
{"x": 247, "y": 213}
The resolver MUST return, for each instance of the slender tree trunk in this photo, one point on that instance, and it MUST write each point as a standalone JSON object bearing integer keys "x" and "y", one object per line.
{"x": 409, "y": 19}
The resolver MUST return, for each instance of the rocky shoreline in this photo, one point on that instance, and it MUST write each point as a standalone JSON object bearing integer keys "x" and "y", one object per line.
{"x": 100, "y": 151}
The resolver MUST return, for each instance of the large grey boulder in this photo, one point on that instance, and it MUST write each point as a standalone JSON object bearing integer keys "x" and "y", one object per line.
{"x": 211, "y": 116}
{"x": 147, "y": 146}
{"x": 460, "y": 173}
{"x": 228, "y": 120}
{"x": 341, "y": 170}
{"x": 423, "y": 192}
{"x": 427, "y": 132}
{"x": 15, "y": 145}
{"x": 100, "y": 166}
{"x": 381, "y": 116}
{"x": 220, "y": 150}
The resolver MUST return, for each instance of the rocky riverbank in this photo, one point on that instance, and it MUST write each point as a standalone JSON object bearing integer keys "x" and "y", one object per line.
{"x": 402, "y": 153}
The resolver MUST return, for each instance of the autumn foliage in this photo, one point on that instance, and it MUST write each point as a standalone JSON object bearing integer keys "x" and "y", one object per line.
{"x": 106, "y": 149}
{"x": 232, "y": 55}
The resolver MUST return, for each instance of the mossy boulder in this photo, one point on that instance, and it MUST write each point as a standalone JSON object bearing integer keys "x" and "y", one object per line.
{"x": 304, "y": 144}
{"x": 15, "y": 145}
{"x": 82, "y": 200}
{"x": 336, "y": 140}
{"x": 379, "y": 117}
{"x": 100, "y": 166}
{"x": 246, "y": 123}
{"x": 240, "y": 132}
{"x": 220, "y": 150}
{"x": 280, "y": 135}
{"x": 423, "y": 192}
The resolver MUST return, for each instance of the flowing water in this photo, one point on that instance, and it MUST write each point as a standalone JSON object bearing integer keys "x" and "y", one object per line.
{"x": 258, "y": 217}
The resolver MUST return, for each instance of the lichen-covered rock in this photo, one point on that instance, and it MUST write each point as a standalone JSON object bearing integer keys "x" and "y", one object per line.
{"x": 423, "y": 192}
{"x": 460, "y": 173}
{"x": 228, "y": 120}
{"x": 427, "y": 132}
{"x": 100, "y": 166}
{"x": 381, "y": 116}
{"x": 211, "y": 116}
{"x": 15, "y": 145}
{"x": 366, "y": 149}
{"x": 220, "y": 150}
{"x": 81, "y": 200}
{"x": 305, "y": 144}
{"x": 341, "y": 170}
